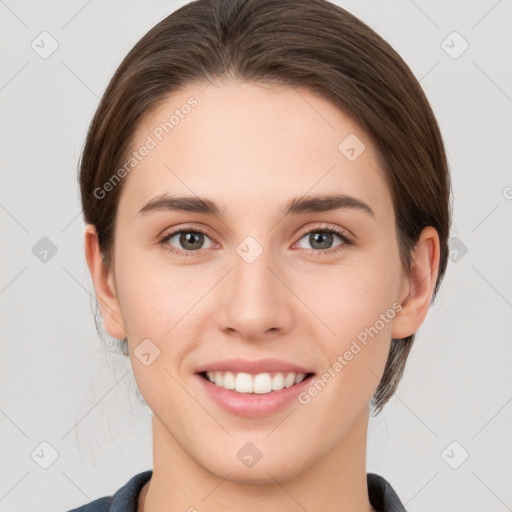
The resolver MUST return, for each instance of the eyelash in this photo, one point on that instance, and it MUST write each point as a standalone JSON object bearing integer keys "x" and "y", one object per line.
{"x": 189, "y": 229}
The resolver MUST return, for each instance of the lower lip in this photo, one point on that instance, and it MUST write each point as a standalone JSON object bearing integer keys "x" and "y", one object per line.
{"x": 253, "y": 405}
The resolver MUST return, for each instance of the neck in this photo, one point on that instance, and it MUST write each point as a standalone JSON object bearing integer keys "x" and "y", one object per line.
{"x": 337, "y": 481}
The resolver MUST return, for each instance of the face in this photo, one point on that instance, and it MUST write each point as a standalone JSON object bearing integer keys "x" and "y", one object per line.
{"x": 316, "y": 289}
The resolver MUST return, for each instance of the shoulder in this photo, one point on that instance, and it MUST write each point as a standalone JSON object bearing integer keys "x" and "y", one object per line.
{"x": 383, "y": 497}
{"x": 124, "y": 500}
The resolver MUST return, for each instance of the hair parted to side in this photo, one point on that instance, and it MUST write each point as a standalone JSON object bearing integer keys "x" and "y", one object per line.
{"x": 311, "y": 44}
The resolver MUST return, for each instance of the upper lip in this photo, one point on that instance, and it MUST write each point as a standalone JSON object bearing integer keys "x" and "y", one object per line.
{"x": 247, "y": 366}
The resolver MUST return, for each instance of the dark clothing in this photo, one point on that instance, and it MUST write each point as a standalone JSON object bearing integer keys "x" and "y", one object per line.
{"x": 382, "y": 496}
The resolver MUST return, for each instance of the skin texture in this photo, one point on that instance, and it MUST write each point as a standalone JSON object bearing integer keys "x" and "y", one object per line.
{"x": 250, "y": 148}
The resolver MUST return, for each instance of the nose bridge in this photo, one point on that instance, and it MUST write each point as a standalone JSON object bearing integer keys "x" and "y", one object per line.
{"x": 252, "y": 279}
{"x": 256, "y": 299}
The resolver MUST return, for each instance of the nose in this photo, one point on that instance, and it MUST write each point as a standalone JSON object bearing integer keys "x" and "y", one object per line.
{"x": 254, "y": 300}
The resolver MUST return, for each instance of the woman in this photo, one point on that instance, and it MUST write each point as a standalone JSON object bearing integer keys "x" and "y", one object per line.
{"x": 267, "y": 208}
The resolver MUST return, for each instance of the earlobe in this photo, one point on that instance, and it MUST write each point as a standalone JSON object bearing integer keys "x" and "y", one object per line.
{"x": 422, "y": 279}
{"x": 104, "y": 286}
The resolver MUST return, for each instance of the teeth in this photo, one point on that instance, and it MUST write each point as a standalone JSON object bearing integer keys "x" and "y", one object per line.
{"x": 229, "y": 381}
{"x": 278, "y": 381}
{"x": 243, "y": 383}
{"x": 260, "y": 384}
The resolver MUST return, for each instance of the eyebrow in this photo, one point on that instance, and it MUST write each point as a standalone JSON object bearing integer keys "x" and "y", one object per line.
{"x": 305, "y": 204}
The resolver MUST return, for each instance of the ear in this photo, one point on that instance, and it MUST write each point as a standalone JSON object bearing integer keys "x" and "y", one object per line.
{"x": 419, "y": 286}
{"x": 104, "y": 286}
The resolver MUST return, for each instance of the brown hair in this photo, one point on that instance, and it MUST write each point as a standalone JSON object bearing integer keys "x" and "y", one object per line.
{"x": 309, "y": 44}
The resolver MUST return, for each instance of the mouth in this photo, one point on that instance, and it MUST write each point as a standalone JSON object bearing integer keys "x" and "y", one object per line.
{"x": 255, "y": 384}
{"x": 253, "y": 388}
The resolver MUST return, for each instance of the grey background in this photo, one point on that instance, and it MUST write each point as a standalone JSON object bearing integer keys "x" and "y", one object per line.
{"x": 62, "y": 386}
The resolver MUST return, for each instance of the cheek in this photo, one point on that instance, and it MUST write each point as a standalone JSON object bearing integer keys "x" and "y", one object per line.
{"x": 152, "y": 296}
{"x": 357, "y": 306}
{"x": 355, "y": 356}
{"x": 352, "y": 296}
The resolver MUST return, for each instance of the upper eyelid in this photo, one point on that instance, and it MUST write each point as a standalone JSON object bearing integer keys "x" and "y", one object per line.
{"x": 323, "y": 227}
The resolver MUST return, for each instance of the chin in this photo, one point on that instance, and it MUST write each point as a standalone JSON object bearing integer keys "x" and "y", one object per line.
{"x": 268, "y": 469}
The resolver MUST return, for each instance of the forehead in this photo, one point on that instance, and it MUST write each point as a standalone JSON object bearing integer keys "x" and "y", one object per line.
{"x": 255, "y": 144}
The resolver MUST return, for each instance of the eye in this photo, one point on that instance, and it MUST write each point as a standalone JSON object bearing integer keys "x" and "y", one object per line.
{"x": 321, "y": 239}
{"x": 190, "y": 240}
